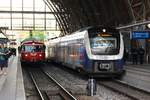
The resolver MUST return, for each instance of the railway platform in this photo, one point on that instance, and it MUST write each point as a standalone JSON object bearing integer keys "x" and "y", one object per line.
{"x": 11, "y": 85}
{"x": 138, "y": 76}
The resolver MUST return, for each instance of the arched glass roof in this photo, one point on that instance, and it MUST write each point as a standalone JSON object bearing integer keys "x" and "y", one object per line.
{"x": 26, "y": 15}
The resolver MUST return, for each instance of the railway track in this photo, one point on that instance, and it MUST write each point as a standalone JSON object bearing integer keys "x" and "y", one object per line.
{"x": 117, "y": 88}
{"x": 66, "y": 95}
{"x": 125, "y": 89}
{"x": 41, "y": 94}
{"x": 59, "y": 93}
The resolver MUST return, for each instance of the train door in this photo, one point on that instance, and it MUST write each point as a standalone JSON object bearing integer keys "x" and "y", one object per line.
{"x": 61, "y": 53}
{"x": 73, "y": 55}
{"x": 65, "y": 54}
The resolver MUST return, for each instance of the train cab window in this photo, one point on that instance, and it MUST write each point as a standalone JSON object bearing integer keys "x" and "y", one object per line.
{"x": 103, "y": 43}
{"x": 31, "y": 48}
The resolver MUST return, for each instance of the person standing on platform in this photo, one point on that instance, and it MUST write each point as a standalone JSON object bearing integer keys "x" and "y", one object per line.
{"x": 3, "y": 59}
{"x": 125, "y": 56}
{"x": 134, "y": 53}
{"x": 141, "y": 55}
{"x": 7, "y": 55}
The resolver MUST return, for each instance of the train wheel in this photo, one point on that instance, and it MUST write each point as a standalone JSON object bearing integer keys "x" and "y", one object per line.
{"x": 79, "y": 70}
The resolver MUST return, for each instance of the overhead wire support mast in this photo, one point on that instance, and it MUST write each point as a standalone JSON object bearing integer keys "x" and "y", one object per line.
{"x": 133, "y": 25}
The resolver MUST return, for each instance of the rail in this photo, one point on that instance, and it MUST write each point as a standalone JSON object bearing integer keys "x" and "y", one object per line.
{"x": 69, "y": 94}
{"x": 39, "y": 92}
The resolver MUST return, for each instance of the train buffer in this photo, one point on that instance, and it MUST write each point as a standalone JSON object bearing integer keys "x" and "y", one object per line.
{"x": 11, "y": 85}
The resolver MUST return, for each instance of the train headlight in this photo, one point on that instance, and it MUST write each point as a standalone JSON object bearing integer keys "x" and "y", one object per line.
{"x": 148, "y": 25}
{"x": 26, "y": 55}
{"x": 40, "y": 55}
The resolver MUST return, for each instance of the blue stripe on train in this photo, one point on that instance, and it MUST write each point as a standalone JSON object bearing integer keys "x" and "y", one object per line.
{"x": 87, "y": 62}
{"x": 119, "y": 64}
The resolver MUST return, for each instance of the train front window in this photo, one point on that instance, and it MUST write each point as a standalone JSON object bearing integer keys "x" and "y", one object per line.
{"x": 104, "y": 43}
{"x": 35, "y": 48}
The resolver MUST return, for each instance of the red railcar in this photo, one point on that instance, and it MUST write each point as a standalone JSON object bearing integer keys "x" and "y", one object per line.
{"x": 32, "y": 52}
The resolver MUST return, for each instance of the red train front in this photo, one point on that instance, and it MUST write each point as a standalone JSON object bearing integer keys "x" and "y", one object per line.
{"x": 32, "y": 52}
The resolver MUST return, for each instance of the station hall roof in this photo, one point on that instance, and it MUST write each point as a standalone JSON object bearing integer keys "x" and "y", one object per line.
{"x": 75, "y": 14}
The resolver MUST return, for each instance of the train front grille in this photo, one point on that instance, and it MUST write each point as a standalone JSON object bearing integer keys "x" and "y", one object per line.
{"x": 103, "y": 66}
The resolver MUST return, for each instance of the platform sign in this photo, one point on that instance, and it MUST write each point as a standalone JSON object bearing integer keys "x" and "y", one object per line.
{"x": 140, "y": 35}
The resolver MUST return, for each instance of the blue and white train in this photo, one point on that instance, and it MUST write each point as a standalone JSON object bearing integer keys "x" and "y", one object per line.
{"x": 94, "y": 50}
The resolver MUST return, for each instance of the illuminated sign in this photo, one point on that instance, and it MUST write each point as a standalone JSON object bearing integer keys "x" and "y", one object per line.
{"x": 104, "y": 34}
{"x": 140, "y": 35}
